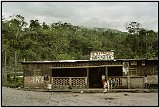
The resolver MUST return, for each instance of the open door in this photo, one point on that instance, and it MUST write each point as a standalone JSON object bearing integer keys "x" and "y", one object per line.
{"x": 95, "y": 75}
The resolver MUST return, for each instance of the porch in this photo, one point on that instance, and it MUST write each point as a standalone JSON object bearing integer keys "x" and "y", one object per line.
{"x": 121, "y": 82}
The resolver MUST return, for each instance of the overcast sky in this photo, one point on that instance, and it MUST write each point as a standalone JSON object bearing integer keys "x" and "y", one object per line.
{"x": 90, "y": 14}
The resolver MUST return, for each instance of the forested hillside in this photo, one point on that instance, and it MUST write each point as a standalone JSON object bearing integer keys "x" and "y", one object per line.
{"x": 60, "y": 41}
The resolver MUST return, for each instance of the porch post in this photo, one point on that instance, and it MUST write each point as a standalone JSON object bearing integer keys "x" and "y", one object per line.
{"x": 87, "y": 77}
{"x": 106, "y": 71}
{"x": 50, "y": 78}
{"x": 70, "y": 81}
{"x": 128, "y": 82}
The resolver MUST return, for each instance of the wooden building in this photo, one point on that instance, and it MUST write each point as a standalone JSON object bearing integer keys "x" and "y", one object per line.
{"x": 77, "y": 74}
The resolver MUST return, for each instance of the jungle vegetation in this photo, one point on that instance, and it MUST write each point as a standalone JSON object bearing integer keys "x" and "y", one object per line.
{"x": 63, "y": 41}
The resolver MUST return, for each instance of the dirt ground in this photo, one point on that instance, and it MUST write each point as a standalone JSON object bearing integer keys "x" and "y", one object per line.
{"x": 14, "y": 97}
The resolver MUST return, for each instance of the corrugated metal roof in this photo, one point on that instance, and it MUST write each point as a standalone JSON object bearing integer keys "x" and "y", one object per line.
{"x": 23, "y": 62}
{"x": 52, "y": 61}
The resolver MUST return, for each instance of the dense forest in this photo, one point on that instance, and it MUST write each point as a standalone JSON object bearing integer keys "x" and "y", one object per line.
{"x": 64, "y": 41}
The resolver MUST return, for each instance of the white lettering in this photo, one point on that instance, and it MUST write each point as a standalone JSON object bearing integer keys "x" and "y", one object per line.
{"x": 102, "y": 56}
{"x": 38, "y": 79}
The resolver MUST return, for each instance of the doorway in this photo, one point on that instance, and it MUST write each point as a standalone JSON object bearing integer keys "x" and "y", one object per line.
{"x": 95, "y": 77}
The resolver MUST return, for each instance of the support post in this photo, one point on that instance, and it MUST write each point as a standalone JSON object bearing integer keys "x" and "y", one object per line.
{"x": 23, "y": 75}
{"x": 86, "y": 81}
{"x": 70, "y": 81}
{"x": 5, "y": 72}
{"x": 15, "y": 69}
{"x": 51, "y": 72}
{"x": 129, "y": 82}
{"x": 106, "y": 72}
{"x": 87, "y": 77}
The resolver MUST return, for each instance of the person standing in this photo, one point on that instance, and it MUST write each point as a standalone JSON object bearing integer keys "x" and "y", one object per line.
{"x": 46, "y": 78}
{"x": 105, "y": 86}
{"x": 113, "y": 83}
{"x": 146, "y": 82}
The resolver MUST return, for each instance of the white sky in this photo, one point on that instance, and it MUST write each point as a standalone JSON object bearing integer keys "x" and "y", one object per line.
{"x": 90, "y": 14}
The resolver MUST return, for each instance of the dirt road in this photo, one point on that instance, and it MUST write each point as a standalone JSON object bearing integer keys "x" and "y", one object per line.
{"x": 14, "y": 97}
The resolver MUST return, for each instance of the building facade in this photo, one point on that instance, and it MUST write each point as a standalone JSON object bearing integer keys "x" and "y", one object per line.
{"x": 78, "y": 74}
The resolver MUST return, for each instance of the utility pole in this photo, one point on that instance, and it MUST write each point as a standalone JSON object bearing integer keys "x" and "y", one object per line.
{"x": 15, "y": 69}
{"x": 5, "y": 72}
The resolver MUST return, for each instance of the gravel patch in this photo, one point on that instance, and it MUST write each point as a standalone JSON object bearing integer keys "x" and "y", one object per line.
{"x": 14, "y": 97}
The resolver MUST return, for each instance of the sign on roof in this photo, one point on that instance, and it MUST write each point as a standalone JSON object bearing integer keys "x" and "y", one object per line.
{"x": 102, "y": 55}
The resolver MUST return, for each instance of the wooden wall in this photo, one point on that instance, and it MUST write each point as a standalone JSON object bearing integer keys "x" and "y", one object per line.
{"x": 34, "y": 72}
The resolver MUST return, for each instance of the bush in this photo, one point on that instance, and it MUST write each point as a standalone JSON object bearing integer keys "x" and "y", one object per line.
{"x": 19, "y": 82}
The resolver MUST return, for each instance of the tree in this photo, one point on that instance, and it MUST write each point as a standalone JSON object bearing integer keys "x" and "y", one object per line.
{"x": 133, "y": 27}
{"x": 57, "y": 41}
{"x": 140, "y": 40}
{"x": 34, "y": 25}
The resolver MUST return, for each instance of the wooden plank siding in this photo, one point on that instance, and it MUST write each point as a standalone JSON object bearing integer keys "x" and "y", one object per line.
{"x": 34, "y": 71}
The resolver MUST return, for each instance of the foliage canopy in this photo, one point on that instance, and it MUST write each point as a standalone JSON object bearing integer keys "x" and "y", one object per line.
{"x": 61, "y": 41}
